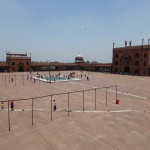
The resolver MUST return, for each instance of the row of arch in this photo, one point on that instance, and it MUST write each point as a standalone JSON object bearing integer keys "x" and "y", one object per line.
{"x": 136, "y": 63}
{"x": 137, "y": 55}
{"x": 27, "y": 63}
{"x": 127, "y": 70}
{"x": 20, "y": 68}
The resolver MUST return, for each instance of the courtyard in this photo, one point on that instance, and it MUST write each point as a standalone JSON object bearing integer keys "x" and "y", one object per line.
{"x": 94, "y": 120}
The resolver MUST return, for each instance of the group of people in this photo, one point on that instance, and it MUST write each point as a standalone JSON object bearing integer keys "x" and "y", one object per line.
{"x": 12, "y": 80}
{"x": 11, "y": 105}
{"x": 81, "y": 76}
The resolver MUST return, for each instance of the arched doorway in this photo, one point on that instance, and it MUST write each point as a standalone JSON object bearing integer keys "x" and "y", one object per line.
{"x": 13, "y": 69}
{"x": 136, "y": 71}
{"x": 127, "y": 69}
{"x": 116, "y": 70}
{"x": 20, "y": 67}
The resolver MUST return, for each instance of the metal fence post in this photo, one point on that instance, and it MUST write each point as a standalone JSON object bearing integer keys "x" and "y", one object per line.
{"x": 9, "y": 76}
{"x": 95, "y": 98}
{"x": 5, "y": 80}
{"x": 15, "y": 78}
{"x": 31, "y": 79}
{"x": 116, "y": 92}
{"x": 23, "y": 79}
{"x": 51, "y": 108}
{"x": 83, "y": 101}
{"x": 8, "y": 117}
{"x": 32, "y": 110}
{"x": 68, "y": 104}
{"x": 106, "y": 96}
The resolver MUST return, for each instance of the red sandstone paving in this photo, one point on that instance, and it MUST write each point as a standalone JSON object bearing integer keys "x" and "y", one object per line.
{"x": 104, "y": 130}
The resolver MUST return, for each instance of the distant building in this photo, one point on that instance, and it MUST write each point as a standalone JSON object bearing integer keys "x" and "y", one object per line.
{"x": 22, "y": 63}
{"x": 131, "y": 60}
{"x": 134, "y": 60}
{"x": 18, "y": 62}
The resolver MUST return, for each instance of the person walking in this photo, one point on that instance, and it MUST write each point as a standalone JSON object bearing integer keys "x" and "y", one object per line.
{"x": 87, "y": 78}
{"x": 2, "y": 106}
{"x": 54, "y": 105}
{"x": 12, "y": 105}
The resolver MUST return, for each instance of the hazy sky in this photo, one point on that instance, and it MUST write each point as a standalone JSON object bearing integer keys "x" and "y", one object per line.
{"x": 57, "y": 30}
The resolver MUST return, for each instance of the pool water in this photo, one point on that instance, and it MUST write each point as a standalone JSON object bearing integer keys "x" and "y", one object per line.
{"x": 56, "y": 78}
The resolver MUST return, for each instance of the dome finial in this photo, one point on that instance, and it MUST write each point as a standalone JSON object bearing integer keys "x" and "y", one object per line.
{"x": 79, "y": 58}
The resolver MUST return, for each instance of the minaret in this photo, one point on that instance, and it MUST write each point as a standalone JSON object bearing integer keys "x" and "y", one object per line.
{"x": 142, "y": 41}
{"x": 113, "y": 45}
{"x": 125, "y": 43}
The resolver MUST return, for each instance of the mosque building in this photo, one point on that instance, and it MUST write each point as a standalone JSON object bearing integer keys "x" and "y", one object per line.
{"x": 133, "y": 60}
